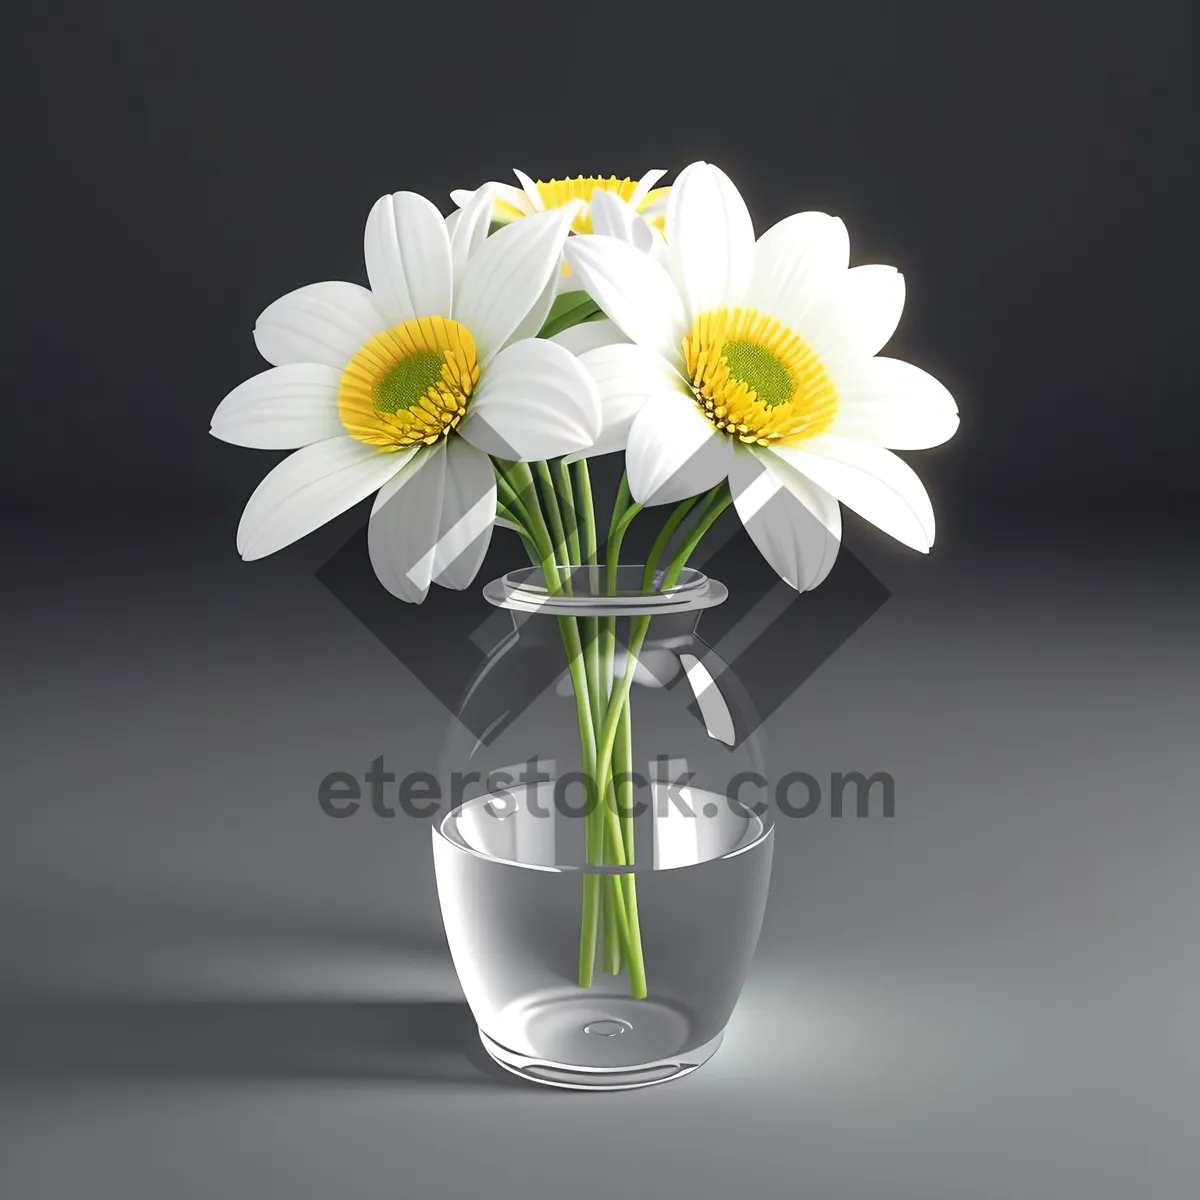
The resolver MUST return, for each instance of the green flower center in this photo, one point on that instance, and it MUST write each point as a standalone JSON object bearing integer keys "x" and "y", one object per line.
{"x": 406, "y": 383}
{"x": 760, "y": 370}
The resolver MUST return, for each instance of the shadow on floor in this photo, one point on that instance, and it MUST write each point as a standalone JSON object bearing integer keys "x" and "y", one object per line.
{"x": 428, "y": 1041}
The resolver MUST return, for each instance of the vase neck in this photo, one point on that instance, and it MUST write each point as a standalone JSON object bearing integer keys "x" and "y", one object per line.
{"x": 586, "y": 592}
{"x": 665, "y": 629}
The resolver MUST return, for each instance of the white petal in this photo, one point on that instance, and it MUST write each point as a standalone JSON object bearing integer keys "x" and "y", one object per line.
{"x": 282, "y": 408}
{"x": 533, "y": 401}
{"x": 892, "y": 403}
{"x": 590, "y": 335}
{"x": 880, "y": 487}
{"x": 613, "y": 217}
{"x": 562, "y": 285}
{"x": 627, "y": 376}
{"x": 310, "y": 487}
{"x": 407, "y": 250}
{"x": 533, "y": 320}
{"x": 508, "y": 276}
{"x": 468, "y": 513}
{"x": 656, "y": 207}
{"x": 433, "y": 521}
{"x": 531, "y": 190}
{"x": 505, "y": 197}
{"x": 633, "y": 290}
{"x": 796, "y": 525}
{"x": 795, "y": 263}
{"x": 674, "y": 450}
{"x": 469, "y": 230}
{"x": 658, "y": 245}
{"x": 710, "y": 239}
{"x": 644, "y": 185}
{"x": 857, "y": 314}
{"x": 319, "y": 323}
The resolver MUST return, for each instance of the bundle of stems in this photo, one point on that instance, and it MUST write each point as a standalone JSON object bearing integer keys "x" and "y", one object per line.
{"x": 552, "y": 508}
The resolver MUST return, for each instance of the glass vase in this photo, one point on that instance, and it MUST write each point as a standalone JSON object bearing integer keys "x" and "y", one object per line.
{"x": 602, "y": 881}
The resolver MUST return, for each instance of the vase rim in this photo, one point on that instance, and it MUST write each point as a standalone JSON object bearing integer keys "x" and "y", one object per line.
{"x": 525, "y": 590}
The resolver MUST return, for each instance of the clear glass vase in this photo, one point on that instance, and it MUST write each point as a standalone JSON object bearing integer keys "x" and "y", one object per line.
{"x": 587, "y": 966}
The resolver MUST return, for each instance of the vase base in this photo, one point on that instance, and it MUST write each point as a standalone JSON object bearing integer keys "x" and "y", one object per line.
{"x": 610, "y": 1032}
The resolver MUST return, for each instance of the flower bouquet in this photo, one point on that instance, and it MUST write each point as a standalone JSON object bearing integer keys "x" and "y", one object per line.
{"x": 500, "y": 348}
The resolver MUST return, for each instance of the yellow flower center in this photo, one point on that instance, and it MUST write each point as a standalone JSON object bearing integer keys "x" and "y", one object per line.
{"x": 558, "y": 192}
{"x": 409, "y": 384}
{"x": 757, "y": 380}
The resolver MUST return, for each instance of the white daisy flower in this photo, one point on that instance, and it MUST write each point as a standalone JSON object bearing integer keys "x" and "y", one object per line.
{"x": 613, "y": 217}
{"x": 407, "y": 387}
{"x": 632, "y": 210}
{"x": 756, "y": 362}
{"x": 512, "y": 203}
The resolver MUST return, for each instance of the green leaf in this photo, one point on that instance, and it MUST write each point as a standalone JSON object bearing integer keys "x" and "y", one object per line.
{"x": 569, "y": 308}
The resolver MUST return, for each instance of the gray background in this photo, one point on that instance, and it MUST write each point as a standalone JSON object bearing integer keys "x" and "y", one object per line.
{"x": 210, "y": 989}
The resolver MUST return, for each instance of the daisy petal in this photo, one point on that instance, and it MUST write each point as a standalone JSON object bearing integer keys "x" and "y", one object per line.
{"x": 281, "y": 409}
{"x": 633, "y": 290}
{"x": 310, "y": 487}
{"x": 644, "y": 185}
{"x": 469, "y": 230}
{"x": 857, "y": 314}
{"x": 796, "y": 526}
{"x": 320, "y": 323}
{"x": 468, "y": 513}
{"x": 612, "y": 217}
{"x": 892, "y": 403}
{"x": 536, "y": 317}
{"x": 533, "y": 401}
{"x": 433, "y": 521}
{"x": 508, "y": 277}
{"x": 880, "y": 487}
{"x": 795, "y": 263}
{"x": 674, "y": 450}
{"x": 710, "y": 239}
{"x": 531, "y": 190}
{"x": 654, "y": 203}
{"x": 508, "y": 202}
{"x": 627, "y": 376}
{"x": 407, "y": 250}
{"x": 403, "y": 531}
{"x": 590, "y": 335}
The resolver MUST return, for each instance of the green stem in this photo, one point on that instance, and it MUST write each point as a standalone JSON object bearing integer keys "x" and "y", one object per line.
{"x": 715, "y": 503}
{"x": 566, "y": 501}
{"x": 587, "y": 509}
{"x": 624, "y": 510}
{"x": 664, "y": 537}
{"x": 514, "y": 482}
{"x": 623, "y": 765}
{"x": 553, "y": 514}
{"x": 521, "y": 482}
{"x": 610, "y": 889}
{"x": 621, "y": 503}
{"x": 582, "y": 511}
{"x": 605, "y": 833}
